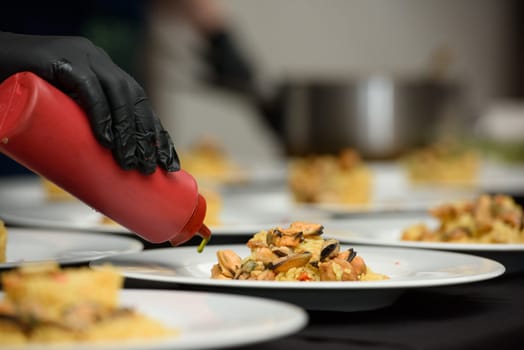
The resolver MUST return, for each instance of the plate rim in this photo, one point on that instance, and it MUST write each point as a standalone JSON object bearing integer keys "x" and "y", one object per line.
{"x": 498, "y": 270}
{"x": 134, "y": 245}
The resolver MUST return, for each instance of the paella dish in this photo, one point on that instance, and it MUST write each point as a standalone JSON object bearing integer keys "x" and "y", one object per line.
{"x": 443, "y": 164}
{"x": 486, "y": 219}
{"x": 296, "y": 253}
{"x": 340, "y": 179}
{"x": 46, "y": 304}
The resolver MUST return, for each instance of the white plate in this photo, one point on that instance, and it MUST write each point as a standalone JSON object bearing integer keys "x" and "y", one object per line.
{"x": 205, "y": 320}
{"x": 407, "y": 268}
{"x": 393, "y": 192}
{"x": 247, "y": 211}
{"x": 497, "y": 176}
{"x": 64, "y": 247}
{"x": 23, "y": 201}
{"x": 387, "y": 231}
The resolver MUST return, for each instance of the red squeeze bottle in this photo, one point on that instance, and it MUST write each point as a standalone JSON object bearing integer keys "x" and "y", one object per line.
{"x": 47, "y": 132}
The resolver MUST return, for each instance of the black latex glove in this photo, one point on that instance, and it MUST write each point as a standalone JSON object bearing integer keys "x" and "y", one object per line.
{"x": 118, "y": 109}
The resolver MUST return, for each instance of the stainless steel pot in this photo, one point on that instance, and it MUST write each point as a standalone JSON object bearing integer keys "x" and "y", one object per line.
{"x": 381, "y": 117}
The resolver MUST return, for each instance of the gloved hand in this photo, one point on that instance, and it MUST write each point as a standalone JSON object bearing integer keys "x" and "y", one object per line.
{"x": 119, "y": 111}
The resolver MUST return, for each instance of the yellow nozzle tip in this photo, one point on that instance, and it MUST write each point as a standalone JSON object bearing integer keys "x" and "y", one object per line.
{"x": 202, "y": 245}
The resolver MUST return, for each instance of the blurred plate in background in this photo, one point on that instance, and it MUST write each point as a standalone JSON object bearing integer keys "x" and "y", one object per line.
{"x": 387, "y": 231}
{"x": 392, "y": 192}
{"x": 64, "y": 247}
{"x": 24, "y": 202}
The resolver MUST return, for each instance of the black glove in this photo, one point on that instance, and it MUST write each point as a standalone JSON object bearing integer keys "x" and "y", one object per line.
{"x": 119, "y": 111}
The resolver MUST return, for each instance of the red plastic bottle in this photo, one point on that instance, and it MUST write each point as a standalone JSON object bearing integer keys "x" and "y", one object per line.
{"x": 47, "y": 132}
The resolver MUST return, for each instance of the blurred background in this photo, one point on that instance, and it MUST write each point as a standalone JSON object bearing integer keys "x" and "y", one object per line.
{"x": 381, "y": 76}
{"x": 270, "y": 79}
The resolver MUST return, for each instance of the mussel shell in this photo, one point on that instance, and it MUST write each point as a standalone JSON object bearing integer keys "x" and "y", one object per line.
{"x": 330, "y": 248}
{"x": 290, "y": 261}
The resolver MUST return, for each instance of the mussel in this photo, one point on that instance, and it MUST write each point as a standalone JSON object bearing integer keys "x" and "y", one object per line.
{"x": 290, "y": 261}
{"x": 330, "y": 249}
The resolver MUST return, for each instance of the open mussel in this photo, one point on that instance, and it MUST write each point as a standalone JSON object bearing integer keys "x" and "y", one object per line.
{"x": 284, "y": 238}
{"x": 330, "y": 249}
{"x": 282, "y": 251}
{"x": 229, "y": 262}
{"x": 285, "y": 263}
{"x": 307, "y": 229}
